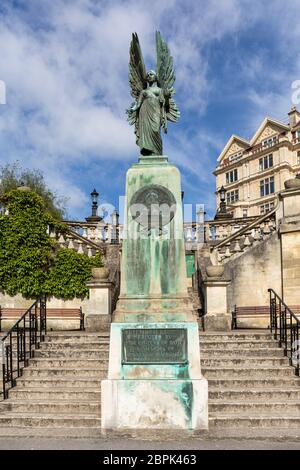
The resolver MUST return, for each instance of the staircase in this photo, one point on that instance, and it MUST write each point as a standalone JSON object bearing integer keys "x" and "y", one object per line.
{"x": 251, "y": 387}
{"x": 250, "y": 384}
{"x": 59, "y": 392}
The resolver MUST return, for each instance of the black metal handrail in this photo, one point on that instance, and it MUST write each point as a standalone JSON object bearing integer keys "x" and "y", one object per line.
{"x": 286, "y": 327}
{"x": 18, "y": 345}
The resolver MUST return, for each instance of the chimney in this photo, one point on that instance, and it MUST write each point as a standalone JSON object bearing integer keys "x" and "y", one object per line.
{"x": 293, "y": 116}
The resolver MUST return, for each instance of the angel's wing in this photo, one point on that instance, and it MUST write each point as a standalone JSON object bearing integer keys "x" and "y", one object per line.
{"x": 166, "y": 76}
{"x": 137, "y": 71}
{"x": 164, "y": 66}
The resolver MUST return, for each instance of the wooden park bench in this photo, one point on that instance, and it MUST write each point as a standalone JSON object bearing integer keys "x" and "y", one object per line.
{"x": 8, "y": 313}
{"x": 256, "y": 312}
{"x": 248, "y": 312}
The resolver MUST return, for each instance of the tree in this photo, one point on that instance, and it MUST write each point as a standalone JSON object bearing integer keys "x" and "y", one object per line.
{"x": 31, "y": 262}
{"x": 13, "y": 176}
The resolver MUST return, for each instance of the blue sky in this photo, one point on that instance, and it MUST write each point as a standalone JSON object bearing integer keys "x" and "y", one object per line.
{"x": 65, "y": 65}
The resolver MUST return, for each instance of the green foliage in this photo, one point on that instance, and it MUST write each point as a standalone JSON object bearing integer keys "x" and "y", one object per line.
{"x": 69, "y": 273}
{"x": 31, "y": 262}
{"x": 26, "y": 249}
{"x": 12, "y": 177}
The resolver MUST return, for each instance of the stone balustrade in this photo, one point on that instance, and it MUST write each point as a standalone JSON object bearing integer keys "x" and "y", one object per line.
{"x": 98, "y": 232}
{"x": 195, "y": 233}
{"x": 241, "y": 240}
{"x": 217, "y": 230}
{"x": 73, "y": 241}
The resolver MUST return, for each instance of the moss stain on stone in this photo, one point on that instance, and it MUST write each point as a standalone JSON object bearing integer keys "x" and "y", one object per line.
{"x": 186, "y": 397}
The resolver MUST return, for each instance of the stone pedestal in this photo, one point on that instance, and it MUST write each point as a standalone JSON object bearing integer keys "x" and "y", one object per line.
{"x": 154, "y": 379}
{"x": 216, "y": 318}
{"x": 143, "y": 395}
{"x": 98, "y": 308}
{"x": 153, "y": 270}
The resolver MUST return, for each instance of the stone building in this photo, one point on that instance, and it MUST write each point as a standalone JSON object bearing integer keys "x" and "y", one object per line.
{"x": 253, "y": 172}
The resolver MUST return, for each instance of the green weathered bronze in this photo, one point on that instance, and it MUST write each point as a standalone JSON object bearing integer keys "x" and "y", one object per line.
{"x": 154, "y": 346}
{"x": 153, "y": 92}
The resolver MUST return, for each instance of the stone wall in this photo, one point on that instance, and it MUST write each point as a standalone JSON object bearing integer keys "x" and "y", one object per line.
{"x": 251, "y": 275}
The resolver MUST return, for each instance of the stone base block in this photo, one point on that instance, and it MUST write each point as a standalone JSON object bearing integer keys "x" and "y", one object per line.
{"x": 217, "y": 322}
{"x": 153, "y": 308}
{"x": 154, "y": 404}
{"x": 94, "y": 323}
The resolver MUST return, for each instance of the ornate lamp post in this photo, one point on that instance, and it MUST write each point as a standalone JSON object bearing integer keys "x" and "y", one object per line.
{"x": 222, "y": 193}
{"x": 94, "y": 217}
{"x": 222, "y": 212}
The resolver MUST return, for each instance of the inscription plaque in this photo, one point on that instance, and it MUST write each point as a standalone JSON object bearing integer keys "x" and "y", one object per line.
{"x": 154, "y": 346}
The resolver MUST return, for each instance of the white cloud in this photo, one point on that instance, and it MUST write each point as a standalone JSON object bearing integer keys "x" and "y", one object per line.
{"x": 65, "y": 67}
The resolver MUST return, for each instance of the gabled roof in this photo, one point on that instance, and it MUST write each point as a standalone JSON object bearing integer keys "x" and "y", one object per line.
{"x": 233, "y": 138}
{"x": 264, "y": 123}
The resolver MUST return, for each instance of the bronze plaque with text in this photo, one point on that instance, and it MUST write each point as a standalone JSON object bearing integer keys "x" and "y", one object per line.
{"x": 154, "y": 346}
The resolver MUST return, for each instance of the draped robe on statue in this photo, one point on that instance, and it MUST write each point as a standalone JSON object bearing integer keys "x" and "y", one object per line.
{"x": 149, "y": 122}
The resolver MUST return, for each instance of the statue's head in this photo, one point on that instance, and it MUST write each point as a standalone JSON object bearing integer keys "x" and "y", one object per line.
{"x": 151, "y": 76}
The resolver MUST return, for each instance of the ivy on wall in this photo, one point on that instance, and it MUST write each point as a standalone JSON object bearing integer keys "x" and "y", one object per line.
{"x": 69, "y": 273}
{"x": 31, "y": 263}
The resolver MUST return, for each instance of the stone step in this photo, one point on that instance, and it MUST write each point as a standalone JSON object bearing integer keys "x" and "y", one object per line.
{"x": 270, "y": 420}
{"x": 47, "y": 420}
{"x": 52, "y": 432}
{"x": 48, "y": 407}
{"x": 57, "y": 393}
{"x": 257, "y": 394}
{"x": 77, "y": 339}
{"x": 245, "y": 352}
{"x": 264, "y": 336}
{"x": 247, "y": 383}
{"x": 68, "y": 341}
{"x": 55, "y": 346}
{"x": 77, "y": 333}
{"x": 99, "y": 373}
{"x": 284, "y": 407}
{"x": 244, "y": 361}
{"x": 253, "y": 372}
{"x": 57, "y": 381}
{"x": 236, "y": 345}
{"x": 47, "y": 363}
{"x": 73, "y": 353}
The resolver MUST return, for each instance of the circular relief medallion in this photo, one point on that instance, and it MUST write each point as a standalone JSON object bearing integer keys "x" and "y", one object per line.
{"x": 153, "y": 206}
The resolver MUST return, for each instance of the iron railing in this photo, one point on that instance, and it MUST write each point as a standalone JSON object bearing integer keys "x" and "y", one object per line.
{"x": 18, "y": 345}
{"x": 286, "y": 328}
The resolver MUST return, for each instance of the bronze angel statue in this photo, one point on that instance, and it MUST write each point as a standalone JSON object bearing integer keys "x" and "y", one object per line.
{"x": 153, "y": 92}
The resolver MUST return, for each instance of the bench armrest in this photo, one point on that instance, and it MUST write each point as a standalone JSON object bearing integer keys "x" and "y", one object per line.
{"x": 234, "y": 318}
{"x": 81, "y": 320}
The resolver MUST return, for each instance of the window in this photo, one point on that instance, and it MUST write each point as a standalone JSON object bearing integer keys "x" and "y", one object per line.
{"x": 270, "y": 142}
{"x": 232, "y": 196}
{"x": 267, "y": 186}
{"x": 264, "y": 208}
{"x": 266, "y": 162}
{"x": 245, "y": 212}
{"x": 298, "y": 157}
{"x": 235, "y": 156}
{"x": 232, "y": 176}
